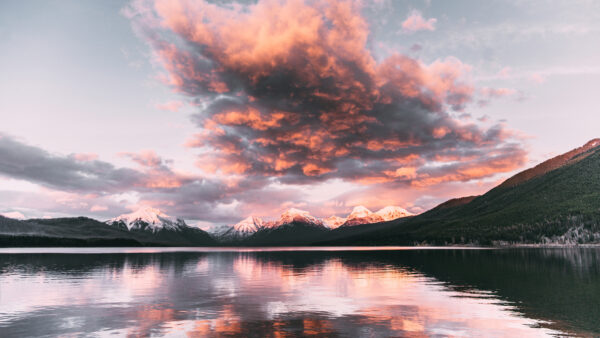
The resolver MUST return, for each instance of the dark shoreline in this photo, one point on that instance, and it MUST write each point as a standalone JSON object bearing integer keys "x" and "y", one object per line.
{"x": 58, "y": 242}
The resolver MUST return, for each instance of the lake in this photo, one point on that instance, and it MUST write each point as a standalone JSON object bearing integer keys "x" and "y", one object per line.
{"x": 278, "y": 292}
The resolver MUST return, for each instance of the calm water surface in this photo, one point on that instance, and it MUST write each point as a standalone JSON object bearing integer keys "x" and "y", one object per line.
{"x": 314, "y": 292}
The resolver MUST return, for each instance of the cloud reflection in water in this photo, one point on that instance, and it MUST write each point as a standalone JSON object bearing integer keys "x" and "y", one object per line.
{"x": 244, "y": 293}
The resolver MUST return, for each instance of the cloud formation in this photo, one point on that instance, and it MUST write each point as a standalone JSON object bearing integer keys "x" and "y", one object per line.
{"x": 415, "y": 22}
{"x": 291, "y": 90}
{"x": 290, "y": 99}
{"x": 79, "y": 186}
{"x": 83, "y": 173}
{"x": 172, "y": 106}
{"x": 487, "y": 94}
{"x": 13, "y": 214}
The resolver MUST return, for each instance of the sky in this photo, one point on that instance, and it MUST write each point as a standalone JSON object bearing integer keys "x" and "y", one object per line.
{"x": 214, "y": 111}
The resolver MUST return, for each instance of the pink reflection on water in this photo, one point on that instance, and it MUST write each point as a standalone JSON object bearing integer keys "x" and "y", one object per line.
{"x": 228, "y": 293}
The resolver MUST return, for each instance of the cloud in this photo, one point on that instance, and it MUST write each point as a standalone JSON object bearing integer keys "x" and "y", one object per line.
{"x": 537, "y": 78}
{"x": 172, "y": 106}
{"x": 290, "y": 90}
{"x": 22, "y": 161}
{"x": 146, "y": 158}
{"x": 415, "y": 22}
{"x": 487, "y": 94}
{"x": 13, "y": 214}
{"x": 219, "y": 201}
{"x": 72, "y": 187}
{"x": 541, "y": 75}
{"x": 416, "y": 47}
{"x": 96, "y": 208}
{"x": 289, "y": 95}
{"x": 71, "y": 173}
{"x": 85, "y": 157}
{"x": 504, "y": 72}
{"x": 54, "y": 203}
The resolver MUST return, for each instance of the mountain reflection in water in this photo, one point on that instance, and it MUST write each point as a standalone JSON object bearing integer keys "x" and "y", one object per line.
{"x": 513, "y": 292}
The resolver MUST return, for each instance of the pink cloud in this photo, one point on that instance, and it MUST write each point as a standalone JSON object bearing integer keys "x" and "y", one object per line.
{"x": 13, "y": 214}
{"x": 96, "y": 207}
{"x": 344, "y": 116}
{"x": 504, "y": 72}
{"x": 415, "y": 22}
{"x": 487, "y": 94}
{"x": 537, "y": 78}
{"x": 145, "y": 158}
{"x": 172, "y": 106}
{"x": 85, "y": 157}
{"x": 156, "y": 172}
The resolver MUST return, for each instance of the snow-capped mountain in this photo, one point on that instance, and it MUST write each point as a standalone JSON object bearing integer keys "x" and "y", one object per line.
{"x": 243, "y": 229}
{"x": 219, "y": 230}
{"x": 294, "y": 227}
{"x": 295, "y": 215}
{"x": 333, "y": 222}
{"x": 393, "y": 212}
{"x": 147, "y": 218}
{"x": 362, "y": 215}
{"x": 249, "y": 225}
{"x": 359, "y": 212}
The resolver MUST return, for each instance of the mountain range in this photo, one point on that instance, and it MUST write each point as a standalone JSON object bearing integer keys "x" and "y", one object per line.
{"x": 556, "y": 202}
{"x": 145, "y": 227}
{"x": 253, "y": 224}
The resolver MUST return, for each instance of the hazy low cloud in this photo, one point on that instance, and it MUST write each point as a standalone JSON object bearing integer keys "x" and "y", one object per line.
{"x": 172, "y": 106}
{"x": 13, "y": 214}
{"x": 87, "y": 186}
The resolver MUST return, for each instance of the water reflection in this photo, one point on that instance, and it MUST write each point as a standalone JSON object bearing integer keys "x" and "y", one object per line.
{"x": 528, "y": 292}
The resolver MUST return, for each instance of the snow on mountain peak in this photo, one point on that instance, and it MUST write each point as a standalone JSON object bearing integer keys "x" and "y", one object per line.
{"x": 393, "y": 212}
{"x": 220, "y": 230}
{"x": 362, "y": 215}
{"x": 359, "y": 215}
{"x": 297, "y": 215}
{"x": 359, "y": 212}
{"x": 244, "y": 228}
{"x": 147, "y": 218}
{"x": 248, "y": 225}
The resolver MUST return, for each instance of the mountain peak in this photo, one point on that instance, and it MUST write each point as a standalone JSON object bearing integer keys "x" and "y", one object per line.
{"x": 248, "y": 225}
{"x": 359, "y": 211}
{"x": 592, "y": 143}
{"x": 333, "y": 222}
{"x": 393, "y": 212}
{"x": 147, "y": 217}
{"x": 362, "y": 215}
{"x": 297, "y": 215}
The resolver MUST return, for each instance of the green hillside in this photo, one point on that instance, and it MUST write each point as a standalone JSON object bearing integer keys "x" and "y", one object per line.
{"x": 539, "y": 205}
{"x": 294, "y": 233}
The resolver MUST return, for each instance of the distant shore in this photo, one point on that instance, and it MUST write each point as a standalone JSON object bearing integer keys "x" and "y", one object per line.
{"x": 95, "y": 243}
